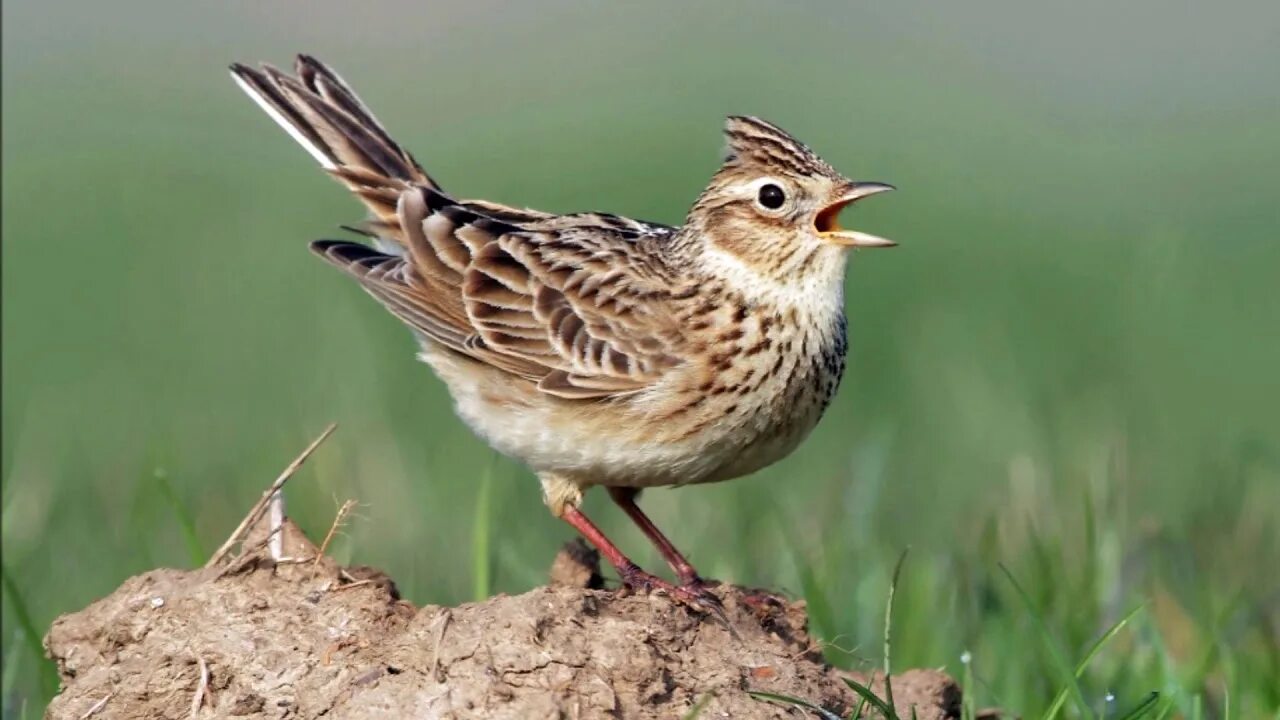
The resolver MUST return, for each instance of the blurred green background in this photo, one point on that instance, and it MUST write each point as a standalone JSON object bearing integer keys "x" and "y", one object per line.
{"x": 1069, "y": 367}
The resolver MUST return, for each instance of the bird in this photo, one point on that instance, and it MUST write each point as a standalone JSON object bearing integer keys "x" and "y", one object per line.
{"x": 597, "y": 349}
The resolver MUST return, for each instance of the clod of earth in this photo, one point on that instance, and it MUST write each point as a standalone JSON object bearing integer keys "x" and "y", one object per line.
{"x": 256, "y": 638}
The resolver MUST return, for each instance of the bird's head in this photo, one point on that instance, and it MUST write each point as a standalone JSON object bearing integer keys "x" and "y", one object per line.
{"x": 773, "y": 207}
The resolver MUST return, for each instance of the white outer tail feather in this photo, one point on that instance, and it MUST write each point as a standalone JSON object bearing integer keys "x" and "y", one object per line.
{"x": 282, "y": 121}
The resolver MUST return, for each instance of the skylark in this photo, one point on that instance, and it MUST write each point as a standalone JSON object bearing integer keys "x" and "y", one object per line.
{"x": 597, "y": 349}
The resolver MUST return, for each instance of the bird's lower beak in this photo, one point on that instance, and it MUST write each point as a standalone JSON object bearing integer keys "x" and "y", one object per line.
{"x": 828, "y": 225}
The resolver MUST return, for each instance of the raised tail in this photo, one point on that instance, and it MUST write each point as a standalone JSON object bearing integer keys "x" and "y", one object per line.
{"x": 321, "y": 112}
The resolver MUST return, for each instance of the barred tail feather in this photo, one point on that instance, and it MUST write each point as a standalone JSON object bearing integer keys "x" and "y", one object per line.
{"x": 321, "y": 112}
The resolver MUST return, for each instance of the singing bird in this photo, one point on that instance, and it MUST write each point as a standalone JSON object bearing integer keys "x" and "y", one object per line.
{"x": 597, "y": 349}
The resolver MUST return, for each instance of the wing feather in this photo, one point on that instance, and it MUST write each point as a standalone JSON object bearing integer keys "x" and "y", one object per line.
{"x": 567, "y": 302}
{"x": 557, "y": 307}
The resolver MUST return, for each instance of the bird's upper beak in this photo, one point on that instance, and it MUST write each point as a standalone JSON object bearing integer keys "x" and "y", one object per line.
{"x": 827, "y": 222}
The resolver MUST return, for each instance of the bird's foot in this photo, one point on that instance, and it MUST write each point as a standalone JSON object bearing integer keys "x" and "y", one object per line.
{"x": 761, "y": 603}
{"x": 696, "y": 594}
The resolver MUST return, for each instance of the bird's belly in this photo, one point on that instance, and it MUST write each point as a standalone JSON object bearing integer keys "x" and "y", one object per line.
{"x": 594, "y": 444}
{"x": 635, "y": 444}
{"x": 609, "y": 452}
{"x": 591, "y": 453}
{"x": 758, "y": 454}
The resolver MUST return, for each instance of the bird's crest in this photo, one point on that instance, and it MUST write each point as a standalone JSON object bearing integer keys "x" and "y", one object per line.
{"x": 752, "y": 142}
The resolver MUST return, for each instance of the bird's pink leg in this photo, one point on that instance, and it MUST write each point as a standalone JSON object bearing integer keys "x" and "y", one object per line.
{"x": 626, "y": 499}
{"x": 631, "y": 574}
{"x": 689, "y": 577}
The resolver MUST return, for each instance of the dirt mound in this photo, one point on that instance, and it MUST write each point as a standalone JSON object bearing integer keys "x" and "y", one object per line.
{"x": 282, "y": 631}
{"x": 300, "y": 639}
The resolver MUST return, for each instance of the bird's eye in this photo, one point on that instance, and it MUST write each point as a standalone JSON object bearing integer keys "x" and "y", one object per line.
{"x": 771, "y": 196}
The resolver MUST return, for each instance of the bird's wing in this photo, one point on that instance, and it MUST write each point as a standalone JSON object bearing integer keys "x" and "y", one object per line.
{"x": 560, "y": 300}
{"x": 578, "y": 309}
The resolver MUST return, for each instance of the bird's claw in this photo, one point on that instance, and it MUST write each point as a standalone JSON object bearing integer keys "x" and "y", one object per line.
{"x": 695, "y": 595}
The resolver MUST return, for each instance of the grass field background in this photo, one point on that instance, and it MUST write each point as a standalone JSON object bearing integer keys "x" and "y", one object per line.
{"x": 1068, "y": 368}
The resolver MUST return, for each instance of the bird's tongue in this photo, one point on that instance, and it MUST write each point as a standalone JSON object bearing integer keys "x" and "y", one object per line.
{"x": 828, "y": 221}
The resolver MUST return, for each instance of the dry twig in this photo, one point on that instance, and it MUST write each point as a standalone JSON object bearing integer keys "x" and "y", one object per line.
{"x": 435, "y": 656}
{"x": 198, "y": 700}
{"x": 338, "y": 520}
{"x": 275, "y": 526}
{"x": 356, "y": 584}
{"x": 260, "y": 507}
{"x": 96, "y": 706}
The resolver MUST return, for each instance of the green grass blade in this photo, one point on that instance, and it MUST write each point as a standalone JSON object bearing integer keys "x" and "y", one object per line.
{"x": 481, "y": 533}
{"x": 1061, "y": 698}
{"x": 1055, "y": 653}
{"x": 1166, "y": 708}
{"x": 698, "y": 707}
{"x": 1176, "y": 686}
{"x": 969, "y": 702}
{"x": 12, "y": 661}
{"x": 186, "y": 523}
{"x": 821, "y": 615}
{"x": 48, "y": 673}
{"x": 872, "y": 698}
{"x": 888, "y": 628}
{"x": 795, "y": 702}
{"x": 1143, "y": 709}
{"x": 857, "y": 711}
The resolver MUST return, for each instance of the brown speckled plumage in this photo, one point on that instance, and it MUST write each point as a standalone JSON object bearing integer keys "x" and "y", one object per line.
{"x": 598, "y": 349}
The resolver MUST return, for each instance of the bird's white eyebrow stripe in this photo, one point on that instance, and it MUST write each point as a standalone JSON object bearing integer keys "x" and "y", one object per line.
{"x": 753, "y": 187}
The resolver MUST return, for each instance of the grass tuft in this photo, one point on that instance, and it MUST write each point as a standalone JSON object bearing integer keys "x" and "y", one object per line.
{"x": 888, "y": 631}
{"x": 821, "y": 712}
{"x": 872, "y": 699}
{"x": 1061, "y": 698}
{"x": 1051, "y": 646}
{"x": 48, "y": 674}
{"x": 1147, "y": 708}
{"x": 186, "y": 523}
{"x": 481, "y": 535}
{"x": 698, "y": 707}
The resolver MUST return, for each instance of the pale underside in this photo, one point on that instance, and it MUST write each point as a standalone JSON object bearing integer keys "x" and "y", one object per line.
{"x": 660, "y": 436}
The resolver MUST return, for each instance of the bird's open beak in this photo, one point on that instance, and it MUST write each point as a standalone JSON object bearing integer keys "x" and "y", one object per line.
{"x": 828, "y": 225}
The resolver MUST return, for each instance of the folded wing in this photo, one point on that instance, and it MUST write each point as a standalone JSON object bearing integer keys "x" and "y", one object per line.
{"x": 563, "y": 308}
{"x": 567, "y": 302}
